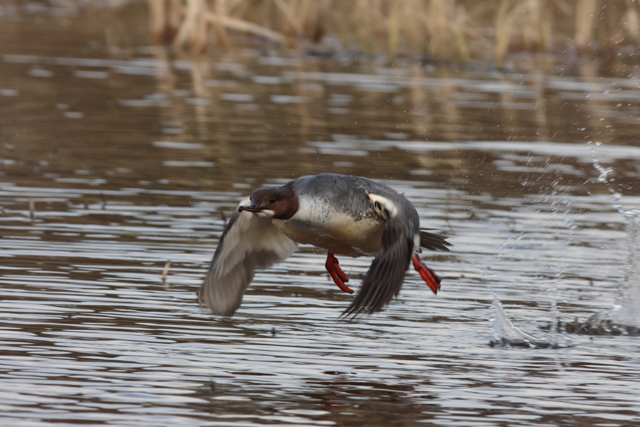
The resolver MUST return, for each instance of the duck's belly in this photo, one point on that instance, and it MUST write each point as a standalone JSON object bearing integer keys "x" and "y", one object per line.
{"x": 342, "y": 236}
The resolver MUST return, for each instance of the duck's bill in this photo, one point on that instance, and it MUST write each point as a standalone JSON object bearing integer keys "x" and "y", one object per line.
{"x": 250, "y": 208}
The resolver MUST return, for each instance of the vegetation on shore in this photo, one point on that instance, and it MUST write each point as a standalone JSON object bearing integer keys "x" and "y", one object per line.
{"x": 445, "y": 30}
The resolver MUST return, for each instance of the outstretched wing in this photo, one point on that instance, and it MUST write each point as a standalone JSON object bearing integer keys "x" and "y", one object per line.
{"x": 386, "y": 274}
{"x": 401, "y": 237}
{"x": 248, "y": 243}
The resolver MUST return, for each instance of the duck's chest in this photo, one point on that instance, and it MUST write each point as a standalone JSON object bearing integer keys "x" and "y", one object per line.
{"x": 336, "y": 231}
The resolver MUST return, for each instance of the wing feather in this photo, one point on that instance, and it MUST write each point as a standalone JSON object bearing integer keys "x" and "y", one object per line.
{"x": 247, "y": 243}
{"x": 386, "y": 274}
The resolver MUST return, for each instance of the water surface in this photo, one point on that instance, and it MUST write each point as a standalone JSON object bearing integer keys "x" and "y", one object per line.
{"x": 131, "y": 155}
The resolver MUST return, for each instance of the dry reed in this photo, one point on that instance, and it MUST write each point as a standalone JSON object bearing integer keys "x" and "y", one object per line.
{"x": 585, "y": 18}
{"x": 165, "y": 271}
{"x": 446, "y": 30}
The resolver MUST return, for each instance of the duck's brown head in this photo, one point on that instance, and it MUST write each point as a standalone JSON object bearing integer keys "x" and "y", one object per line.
{"x": 273, "y": 202}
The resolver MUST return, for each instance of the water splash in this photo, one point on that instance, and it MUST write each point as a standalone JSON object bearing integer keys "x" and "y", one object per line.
{"x": 569, "y": 224}
{"x": 625, "y": 314}
{"x": 507, "y": 334}
{"x": 503, "y": 329}
{"x": 626, "y": 310}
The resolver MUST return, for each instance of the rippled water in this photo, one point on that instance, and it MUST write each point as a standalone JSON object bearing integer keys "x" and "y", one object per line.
{"x": 131, "y": 155}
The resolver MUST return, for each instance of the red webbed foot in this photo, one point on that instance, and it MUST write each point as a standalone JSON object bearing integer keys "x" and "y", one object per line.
{"x": 336, "y": 273}
{"x": 428, "y": 275}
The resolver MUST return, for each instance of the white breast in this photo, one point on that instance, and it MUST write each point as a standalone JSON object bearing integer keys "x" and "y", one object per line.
{"x": 317, "y": 224}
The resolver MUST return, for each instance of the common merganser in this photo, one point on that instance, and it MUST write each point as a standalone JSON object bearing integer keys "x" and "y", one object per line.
{"x": 344, "y": 214}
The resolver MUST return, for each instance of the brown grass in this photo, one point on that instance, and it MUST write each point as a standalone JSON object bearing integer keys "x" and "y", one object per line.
{"x": 446, "y": 30}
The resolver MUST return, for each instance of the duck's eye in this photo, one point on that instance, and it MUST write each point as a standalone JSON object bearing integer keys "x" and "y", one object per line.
{"x": 272, "y": 200}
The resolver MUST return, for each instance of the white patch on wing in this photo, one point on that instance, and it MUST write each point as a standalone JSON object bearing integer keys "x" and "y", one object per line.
{"x": 383, "y": 206}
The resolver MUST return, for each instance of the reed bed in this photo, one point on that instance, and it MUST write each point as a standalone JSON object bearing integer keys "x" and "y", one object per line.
{"x": 445, "y": 30}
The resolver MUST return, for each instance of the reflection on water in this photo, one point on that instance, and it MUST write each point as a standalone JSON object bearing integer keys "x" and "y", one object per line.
{"x": 133, "y": 155}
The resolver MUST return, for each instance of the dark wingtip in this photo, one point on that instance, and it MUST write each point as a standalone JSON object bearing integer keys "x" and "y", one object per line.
{"x": 354, "y": 311}
{"x": 357, "y": 309}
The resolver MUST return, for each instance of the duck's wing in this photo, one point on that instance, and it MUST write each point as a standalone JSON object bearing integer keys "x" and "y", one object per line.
{"x": 433, "y": 242}
{"x": 247, "y": 243}
{"x": 386, "y": 273}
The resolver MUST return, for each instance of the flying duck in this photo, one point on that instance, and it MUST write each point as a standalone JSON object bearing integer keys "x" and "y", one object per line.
{"x": 346, "y": 215}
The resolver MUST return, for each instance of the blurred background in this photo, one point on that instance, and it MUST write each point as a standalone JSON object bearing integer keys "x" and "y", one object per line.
{"x": 129, "y": 130}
